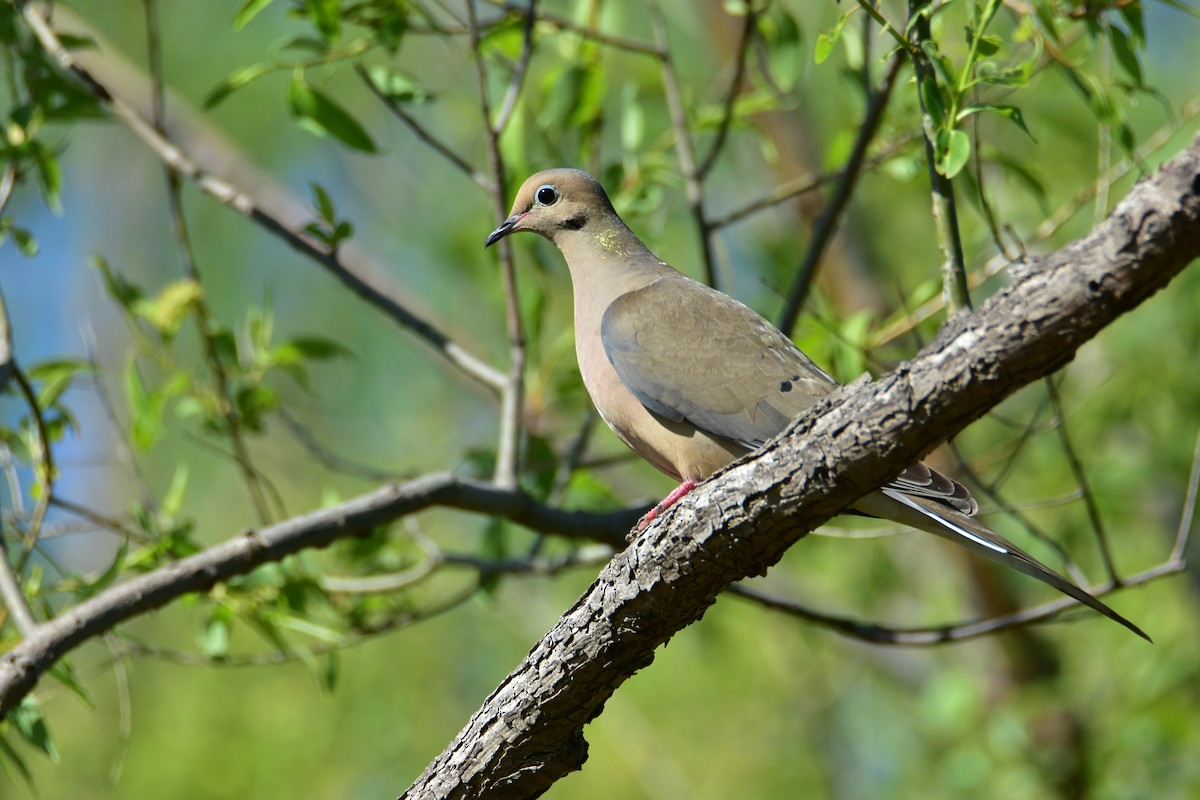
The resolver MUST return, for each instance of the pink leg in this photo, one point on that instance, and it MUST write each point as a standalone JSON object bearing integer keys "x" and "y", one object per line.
{"x": 667, "y": 502}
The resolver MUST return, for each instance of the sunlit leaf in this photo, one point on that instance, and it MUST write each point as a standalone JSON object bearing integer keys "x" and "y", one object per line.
{"x": 1008, "y": 112}
{"x": 167, "y": 310}
{"x": 320, "y": 115}
{"x": 248, "y": 11}
{"x": 235, "y": 81}
{"x": 953, "y": 149}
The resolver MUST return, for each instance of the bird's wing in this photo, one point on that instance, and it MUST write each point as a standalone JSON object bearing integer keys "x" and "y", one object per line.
{"x": 689, "y": 353}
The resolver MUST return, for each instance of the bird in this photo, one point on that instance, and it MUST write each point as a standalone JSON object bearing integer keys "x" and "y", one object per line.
{"x": 691, "y": 379}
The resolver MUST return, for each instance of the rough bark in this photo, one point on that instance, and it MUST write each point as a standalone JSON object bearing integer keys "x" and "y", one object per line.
{"x": 529, "y": 731}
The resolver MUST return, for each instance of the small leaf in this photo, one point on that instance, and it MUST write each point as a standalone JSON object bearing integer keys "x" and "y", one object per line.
{"x": 323, "y": 203}
{"x": 173, "y": 500}
{"x": 931, "y": 100}
{"x": 827, "y": 39}
{"x": 55, "y": 376}
{"x": 248, "y": 11}
{"x": 214, "y": 640}
{"x": 28, "y": 719}
{"x": 235, "y": 81}
{"x": 1126, "y": 54}
{"x": 398, "y": 86}
{"x": 953, "y": 150}
{"x": 167, "y": 311}
{"x": 315, "y": 347}
{"x": 121, "y": 290}
{"x": 321, "y": 115}
{"x": 1008, "y": 112}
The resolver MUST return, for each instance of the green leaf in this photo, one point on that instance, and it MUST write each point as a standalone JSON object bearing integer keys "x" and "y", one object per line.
{"x": 320, "y": 115}
{"x": 248, "y": 11}
{"x": 1008, "y": 112}
{"x": 633, "y": 119}
{"x": 173, "y": 500}
{"x": 236, "y": 80}
{"x": 314, "y": 347}
{"x": 49, "y": 176}
{"x": 326, "y": 15}
{"x": 988, "y": 45}
{"x": 953, "y": 148}
{"x": 785, "y": 56}
{"x": 8, "y": 756}
{"x": 1126, "y": 54}
{"x": 28, "y": 719}
{"x": 55, "y": 376}
{"x": 214, "y": 639}
{"x": 121, "y": 290}
{"x": 931, "y": 100}
{"x": 827, "y": 39}
{"x": 321, "y": 200}
{"x": 166, "y": 312}
{"x": 398, "y": 86}
{"x": 25, "y": 241}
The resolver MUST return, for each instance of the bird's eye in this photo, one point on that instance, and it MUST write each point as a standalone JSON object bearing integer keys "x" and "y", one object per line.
{"x": 546, "y": 195}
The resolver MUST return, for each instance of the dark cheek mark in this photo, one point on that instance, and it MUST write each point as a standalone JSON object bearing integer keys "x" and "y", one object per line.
{"x": 574, "y": 223}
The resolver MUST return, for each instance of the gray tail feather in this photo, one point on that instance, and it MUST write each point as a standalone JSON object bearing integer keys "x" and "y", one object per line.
{"x": 934, "y": 517}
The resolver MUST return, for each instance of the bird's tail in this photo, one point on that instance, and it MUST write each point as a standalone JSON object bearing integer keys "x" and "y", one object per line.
{"x": 934, "y": 517}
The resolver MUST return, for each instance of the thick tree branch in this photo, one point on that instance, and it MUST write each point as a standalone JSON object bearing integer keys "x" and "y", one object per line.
{"x": 529, "y": 731}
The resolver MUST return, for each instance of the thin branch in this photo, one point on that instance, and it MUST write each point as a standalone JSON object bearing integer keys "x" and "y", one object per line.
{"x": 8, "y": 182}
{"x": 512, "y": 400}
{"x": 425, "y": 136}
{"x": 958, "y": 631}
{"x": 231, "y": 195}
{"x": 1187, "y": 516}
{"x": 1048, "y": 227}
{"x": 564, "y": 24}
{"x": 187, "y": 260}
{"x": 518, "y": 76}
{"x": 45, "y": 466}
{"x": 21, "y": 667}
{"x": 731, "y": 94}
{"x": 693, "y": 190}
{"x": 1081, "y": 480}
{"x": 802, "y": 185}
{"x": 955, "y": 290}
{"x": 327, "y": 457}
{"x": 848, "y": 179}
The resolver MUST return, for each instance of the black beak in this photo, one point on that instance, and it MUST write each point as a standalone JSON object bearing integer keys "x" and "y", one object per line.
{"x": 505, "y": 229}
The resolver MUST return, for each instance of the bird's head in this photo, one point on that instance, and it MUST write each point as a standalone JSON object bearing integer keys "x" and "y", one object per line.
{"x": 556, "y": 201}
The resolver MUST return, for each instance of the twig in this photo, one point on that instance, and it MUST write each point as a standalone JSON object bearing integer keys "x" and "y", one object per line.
{"x": 1187, "y": 515}
{"x": 425, "y": 136}
{"x": 955, "y": 289}
{"x": 518, "y": 76}
{"x": 512, "y": 400}
{"x": 848, "y": 178}
{"x": 731, "y": 94}
{"x": 1080, "y": 475}
{"x": 232, "y": 196}
{"x": 956, "y": 632}
{"x": 329, "y": 458}
{"x": 562, "y": 23}
{"x": 21, "y": 667}
{"x": 802, "y": 185}
{"x": 8, "y": 181}
{"x": 693, "y": 190}
{"x": 1048, "y": 227}
{"x": 45, "y": 468}
{"x": 187, "y": 260}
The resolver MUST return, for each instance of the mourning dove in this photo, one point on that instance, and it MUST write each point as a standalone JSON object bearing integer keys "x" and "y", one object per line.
{"x": 691, "y": 379}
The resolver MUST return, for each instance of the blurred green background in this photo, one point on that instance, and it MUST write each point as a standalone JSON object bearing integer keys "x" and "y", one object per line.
{"x": 747, "y": 702}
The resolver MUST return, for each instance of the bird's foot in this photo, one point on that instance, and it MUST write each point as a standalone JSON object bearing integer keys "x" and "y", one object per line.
{"x": 666, "y": 503}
